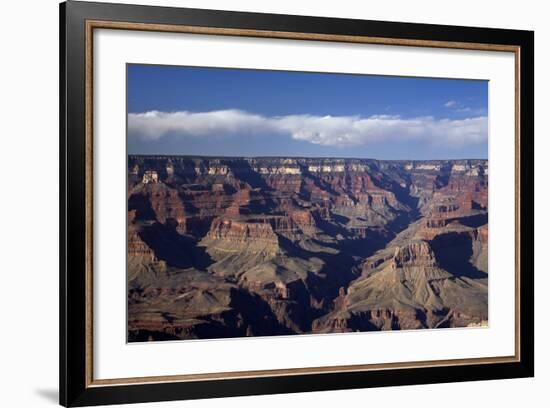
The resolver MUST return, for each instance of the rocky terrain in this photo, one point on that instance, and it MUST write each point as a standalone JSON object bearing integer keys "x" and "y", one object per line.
{"x": 231, "y": 247}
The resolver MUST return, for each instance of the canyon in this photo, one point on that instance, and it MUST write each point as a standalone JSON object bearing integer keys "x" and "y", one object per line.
{"x": 223, "y": 247}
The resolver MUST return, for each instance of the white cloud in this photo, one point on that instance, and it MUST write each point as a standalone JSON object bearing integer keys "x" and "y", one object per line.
{"x": 459, "y": 107}
{"x": 320, "y": 130}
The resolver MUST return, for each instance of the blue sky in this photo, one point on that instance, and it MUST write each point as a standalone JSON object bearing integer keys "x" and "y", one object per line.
{"x": 234, "y": 112}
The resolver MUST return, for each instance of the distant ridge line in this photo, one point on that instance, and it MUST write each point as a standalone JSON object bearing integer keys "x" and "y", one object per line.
{"x": 300, "y": 158}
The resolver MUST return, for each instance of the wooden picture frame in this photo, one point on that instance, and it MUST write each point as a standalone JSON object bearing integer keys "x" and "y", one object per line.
{"x": 78, "y": 20}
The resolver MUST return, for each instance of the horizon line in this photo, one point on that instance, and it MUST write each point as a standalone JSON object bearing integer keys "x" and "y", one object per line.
{"x": 296, "y": 157}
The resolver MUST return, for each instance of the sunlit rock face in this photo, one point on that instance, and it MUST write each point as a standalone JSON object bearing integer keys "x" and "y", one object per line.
{"x": 231, "y": 247}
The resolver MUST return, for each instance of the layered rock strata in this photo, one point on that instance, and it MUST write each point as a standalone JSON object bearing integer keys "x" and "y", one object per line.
{"x": 230, "y": 247}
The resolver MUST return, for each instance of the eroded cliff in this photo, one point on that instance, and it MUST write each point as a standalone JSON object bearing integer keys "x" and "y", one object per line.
{"x": 225, "y": 247}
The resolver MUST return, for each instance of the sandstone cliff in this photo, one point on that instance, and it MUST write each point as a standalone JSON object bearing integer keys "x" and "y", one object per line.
{"x": 225, "y": 247}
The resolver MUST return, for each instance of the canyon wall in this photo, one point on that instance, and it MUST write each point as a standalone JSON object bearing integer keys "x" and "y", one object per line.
{"x": 230, "y": 247}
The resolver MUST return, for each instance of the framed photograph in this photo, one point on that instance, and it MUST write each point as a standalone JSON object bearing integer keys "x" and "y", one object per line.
{"x": 256, "y": 203}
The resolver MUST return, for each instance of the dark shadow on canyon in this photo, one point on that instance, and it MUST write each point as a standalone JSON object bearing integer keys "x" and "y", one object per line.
{"x": 453, "y": 252}
{"x": 177, "y": 250}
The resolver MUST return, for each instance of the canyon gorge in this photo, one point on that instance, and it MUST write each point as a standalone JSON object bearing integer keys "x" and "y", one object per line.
{"x": 223, "y": 247}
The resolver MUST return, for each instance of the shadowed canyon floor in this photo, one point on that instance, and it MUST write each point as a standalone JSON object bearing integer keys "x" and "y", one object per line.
{"x": 233, "y": 247}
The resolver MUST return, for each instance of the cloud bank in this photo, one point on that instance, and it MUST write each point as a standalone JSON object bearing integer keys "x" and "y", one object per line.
{"x": 342, "y": 131}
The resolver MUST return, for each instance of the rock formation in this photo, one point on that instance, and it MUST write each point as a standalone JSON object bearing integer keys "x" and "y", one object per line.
{"x": 230, "y": 247}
